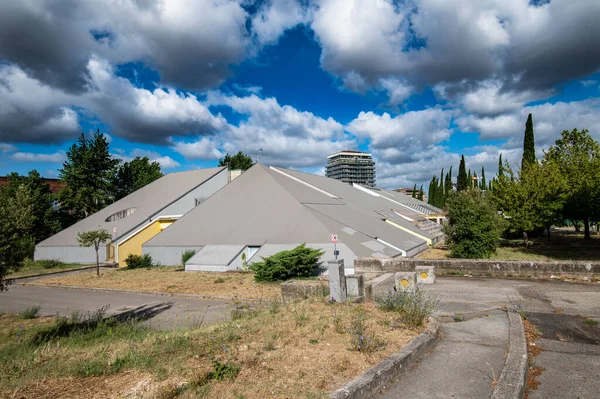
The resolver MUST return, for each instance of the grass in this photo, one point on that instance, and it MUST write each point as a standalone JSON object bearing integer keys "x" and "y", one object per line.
{"x": 260, "y": 354}
{"x": 31, "y": 312}
{"x": 563, "y": 245}
{"x": 43, "y": 266}
{"x": 171, "y": 280}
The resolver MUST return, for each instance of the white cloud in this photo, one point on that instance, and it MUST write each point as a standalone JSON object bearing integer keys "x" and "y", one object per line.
{"x": 589, "y": 82}
{"x": 164, "y": 161}
{"x": 275, "y": 17}
{"x": 57, "y": 157}
{"x": 5, "y": 147}
{"x": 398, "y": 90}
{"x": 203, "y": 148}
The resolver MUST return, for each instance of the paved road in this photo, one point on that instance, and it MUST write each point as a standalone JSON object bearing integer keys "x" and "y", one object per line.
{"x": 471, "y": 354}
{"x": 165, "y": 312}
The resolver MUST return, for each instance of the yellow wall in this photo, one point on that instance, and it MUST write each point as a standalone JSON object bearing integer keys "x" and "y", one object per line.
{"x": 134, "y": 244}
{"x": 405, "y": 229}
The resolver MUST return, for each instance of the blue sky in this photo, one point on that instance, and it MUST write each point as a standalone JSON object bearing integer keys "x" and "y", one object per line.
{"x": 416, "y": 82}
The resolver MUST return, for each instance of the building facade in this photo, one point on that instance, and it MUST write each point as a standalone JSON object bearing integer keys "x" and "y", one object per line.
{"x": 352, "y": 167}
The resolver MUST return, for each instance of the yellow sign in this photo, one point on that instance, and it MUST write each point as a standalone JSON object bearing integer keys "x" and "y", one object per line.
{"x": 404, "y": 283}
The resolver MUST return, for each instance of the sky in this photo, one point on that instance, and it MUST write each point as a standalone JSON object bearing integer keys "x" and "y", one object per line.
{"x": 416, "y": 83}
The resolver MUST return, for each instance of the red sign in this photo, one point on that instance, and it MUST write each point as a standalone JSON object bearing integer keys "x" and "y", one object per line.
{"x": 334, "y": 239}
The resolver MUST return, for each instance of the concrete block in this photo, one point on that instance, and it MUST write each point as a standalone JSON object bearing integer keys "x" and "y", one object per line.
{"x": 355, "y": 285}
{"x": 406, "y": 281}
{"x": 425, "y": 274}
{"x": 380, "y": 285}
{"x": 292, "y": 291}
{"x": 337, "y": 280}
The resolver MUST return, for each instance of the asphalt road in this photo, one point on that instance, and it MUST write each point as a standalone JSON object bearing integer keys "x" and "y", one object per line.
{"x": 164, "y": 312}
{"x": 470, "y": 356}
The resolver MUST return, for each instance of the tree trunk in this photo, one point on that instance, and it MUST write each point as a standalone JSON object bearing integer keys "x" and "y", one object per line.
{"x": 576, "y": 225}
{"x": 548, "y": 230}
{"x": 97, "y": 262}
{"x": 586, "y": 225}
{"x": 526, "y": 239}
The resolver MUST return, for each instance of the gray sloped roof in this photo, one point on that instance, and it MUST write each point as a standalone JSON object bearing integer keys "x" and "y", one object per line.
{"x": 148, "y": 201}
{"x": 272, "y": 206}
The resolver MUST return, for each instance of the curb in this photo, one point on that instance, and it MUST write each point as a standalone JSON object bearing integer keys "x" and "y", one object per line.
{"x": 15, "y": 279}
{"x": 513, "y": 379}
{"x": 160, "y": 293}
{"x": 377, "y": 377}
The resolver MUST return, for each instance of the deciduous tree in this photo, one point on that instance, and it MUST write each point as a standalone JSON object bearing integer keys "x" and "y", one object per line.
{"x": 94, "y": 238}
{"x": 133, "y": 175}
{"x": 238, "y": 161}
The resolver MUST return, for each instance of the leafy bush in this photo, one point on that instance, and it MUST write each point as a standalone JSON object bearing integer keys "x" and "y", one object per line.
{"x": 187, "y": 255}
{"x": 222, "y": 371}
{"x": 48, "y": 263}
{"x": 31, "y": 312}
{"x": 414, "y": 306}
{"x": 138, "y": 262}
{"x": 298, "y": 262}
{"x": 473, "y": 226}
{"x": 361, "y": 339}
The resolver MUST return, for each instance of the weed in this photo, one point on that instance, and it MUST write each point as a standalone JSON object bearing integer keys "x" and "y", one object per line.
{"x": 219, "y": 280}
{"x": 459, "y": 318}
{"x": 590, "y": 322}
{"x": 274, "y": 307}
{"x": 414, "y": 306}
{"x": 338, "y": 323}
{"x": 300, "y": 316}
{"x": 517, "y": 307}
{"x": 48, "y": 263}
{"x": 169, "y": 391}
{"x": 361, "y": 339}
{"x": 31, "y": 312}
{"x": 187, "y": 255}
{"x": 558, "y": 311}
{"x": 313, "y": 341}
{"x": 222, "y": 371}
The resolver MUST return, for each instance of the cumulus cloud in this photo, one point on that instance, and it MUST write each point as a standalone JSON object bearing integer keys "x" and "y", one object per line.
{"x": 430, "y": 42}
{"x": 57, "y": 157}
{"x": 402, "y": 139}
{"x": 146, "y": 116}
{"x": 164, "y": 161}
{"x": 203, "y": 148}
{"x": 274, "y": 17}
{"x": 549, "y": 121}
{"x": 5, "y": 147}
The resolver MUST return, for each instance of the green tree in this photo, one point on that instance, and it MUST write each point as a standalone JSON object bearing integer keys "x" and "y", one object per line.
{"x": 528, "y": 145}
{"x": 414, "y": 192}
{"x": 133, "y": 175}
{"x": 462, "y": 181}
{"x": 483, "y": 185}
{"x": 577, "y": 155}
{"x": 238, "y": 161}
{"x": 473, "y": 227}
{"x": 94, "y": 238}
{"x": 420, "y": 196}
{"x": 532, "y": 201}
{"x": 447, "y": 185}
{"x": 16, "y": 222}
{"x": 46, "y": 221}
{"x": 88, "y": 173}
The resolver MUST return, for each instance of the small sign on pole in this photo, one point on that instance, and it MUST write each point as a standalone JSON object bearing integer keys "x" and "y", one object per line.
{"x": 334, "y": 241}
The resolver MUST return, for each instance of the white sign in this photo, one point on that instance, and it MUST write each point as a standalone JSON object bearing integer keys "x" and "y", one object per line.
{"x": 334, "y": 239}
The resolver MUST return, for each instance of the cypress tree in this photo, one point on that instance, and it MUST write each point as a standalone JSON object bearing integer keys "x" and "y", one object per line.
{"x": 430, "y": 190}
{"x": 414, "y": 193}
{"x": 448, "y": 185}
{"x": 528, "y": 144}
{"x": 420, "y": 197}
{"x": 440, "y": 191}
{"x": 474, "y": 180}
{"x": 462, "y": 182}
{"x": 469, "y": 180}
{"x": 483, "y": 186}
{"x": 500, "y": 167}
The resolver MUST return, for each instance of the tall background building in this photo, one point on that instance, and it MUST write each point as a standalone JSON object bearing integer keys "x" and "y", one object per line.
{"x": 351, "y": 167}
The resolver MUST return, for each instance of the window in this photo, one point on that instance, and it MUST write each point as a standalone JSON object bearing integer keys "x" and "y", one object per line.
{"x": 121, "y": 214}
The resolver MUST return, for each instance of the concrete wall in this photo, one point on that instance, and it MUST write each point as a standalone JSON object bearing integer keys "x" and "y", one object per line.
{"x": 167, "y": 256}
{"x": 188, "y": 201}
{"x": 71, "y": 254}
{"x": 373, "y": 267}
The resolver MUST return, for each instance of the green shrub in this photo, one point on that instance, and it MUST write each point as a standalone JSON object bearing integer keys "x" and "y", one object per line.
{"x": 473, "y": 226}
{"x": 31, "y": 312}
{"x": 138, "y": 262}
{"x": 48, "y": 263}
{"x": 414, "y": 306}
{"x": 298, "y": 262}
{"x": 187, "y": 255}
{"x": 222, "y": 371}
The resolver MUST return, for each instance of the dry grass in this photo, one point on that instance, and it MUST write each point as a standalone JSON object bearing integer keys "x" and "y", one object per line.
{"x": 562, "y": 246}
{"x": 30, "y": 269}
{"x": 171, "y": 280}
{"x": 293, "y": 351}
{"x": 532, "y": 334}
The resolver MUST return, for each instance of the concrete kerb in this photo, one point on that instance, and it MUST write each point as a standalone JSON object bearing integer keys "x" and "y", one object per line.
{"x": 513, "y": 379}
{"x": 377, "y": 377}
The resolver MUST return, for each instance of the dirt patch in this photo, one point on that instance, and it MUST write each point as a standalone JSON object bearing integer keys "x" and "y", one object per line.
{"x": 533, "y": 372}
{"x": 565, "y": 328}
{"x": 171, "y": 280}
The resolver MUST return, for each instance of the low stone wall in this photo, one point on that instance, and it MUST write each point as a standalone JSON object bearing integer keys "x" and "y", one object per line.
{"x": 297, "y": 290}
{"x": 373, "y": 267}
